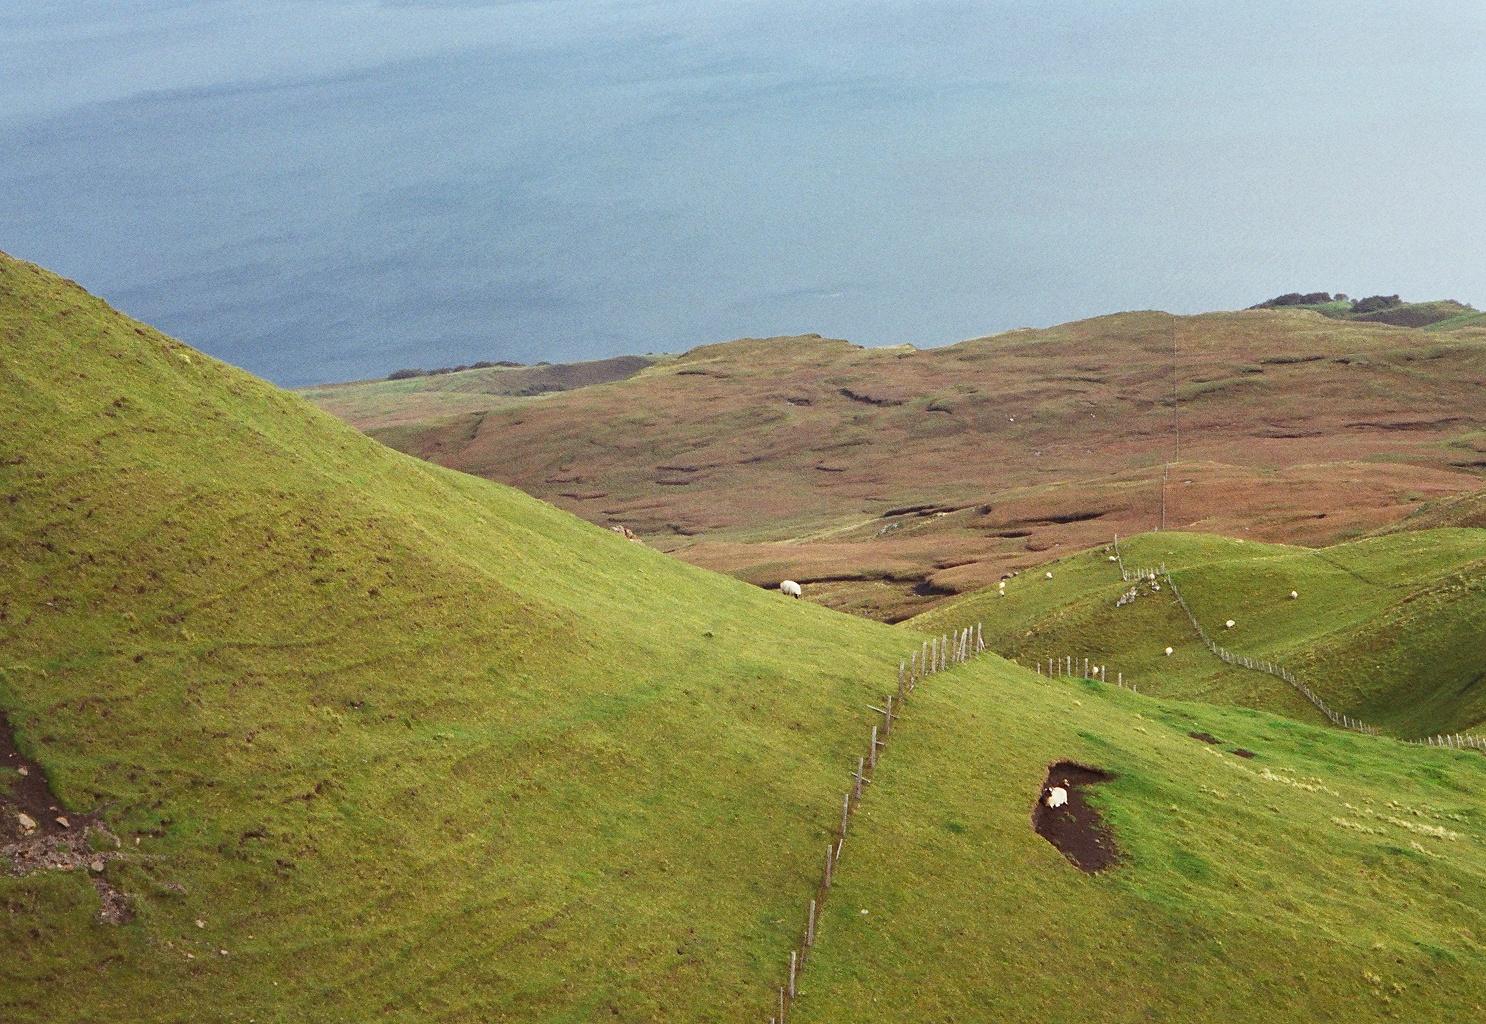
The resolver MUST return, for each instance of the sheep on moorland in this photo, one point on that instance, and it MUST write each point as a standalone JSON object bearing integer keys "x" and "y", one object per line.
{"x": 789, "y": 588}
{"x": 1294, "y": 595}
{"x": 1056, "y": 796}
{"x": 1229, "y": 624}
{"x": 1168, "y": 652}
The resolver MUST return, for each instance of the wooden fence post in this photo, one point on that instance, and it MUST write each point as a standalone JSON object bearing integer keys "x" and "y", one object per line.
{"x": 810, "y": 926}
{"x": 872, "y": 751}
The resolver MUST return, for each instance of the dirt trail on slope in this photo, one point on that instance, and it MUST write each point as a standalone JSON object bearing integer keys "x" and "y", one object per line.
{"x": 1076, "y": 828}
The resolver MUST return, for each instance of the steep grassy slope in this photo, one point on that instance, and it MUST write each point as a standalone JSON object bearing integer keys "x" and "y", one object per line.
{"x": 411, "y": 745}
{"x": 1386, "y": 629}
{"x": 888, "y": 479}
{"x": 1327, "y": 878}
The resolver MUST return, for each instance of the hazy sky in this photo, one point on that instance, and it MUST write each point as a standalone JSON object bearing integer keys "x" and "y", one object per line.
{"x": 328, "y": 189}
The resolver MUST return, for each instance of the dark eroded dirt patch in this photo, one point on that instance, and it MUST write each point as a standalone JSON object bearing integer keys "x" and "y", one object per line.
{"x": 37, "y": 834}
{"x": 1242, "y": 752}
{"x": 1076, "y": 828}
{"x": 1205, "y": 737}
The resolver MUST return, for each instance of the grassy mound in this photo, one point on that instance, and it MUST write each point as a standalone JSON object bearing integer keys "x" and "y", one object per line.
{"x": 1380, "y": 629}
{"x": 1468, "y": 510}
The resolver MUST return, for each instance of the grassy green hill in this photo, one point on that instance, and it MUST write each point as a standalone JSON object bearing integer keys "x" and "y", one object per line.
{"x": 1383, "y": 627}
{"x": 411, "y": 744}
{"x": 381, "y": 741}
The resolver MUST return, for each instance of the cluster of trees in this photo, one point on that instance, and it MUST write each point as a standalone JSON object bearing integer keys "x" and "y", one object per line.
{"x": 1301, "y": 299}
{"x": 481, "y": 365}
{"x": 1371, "y": 304}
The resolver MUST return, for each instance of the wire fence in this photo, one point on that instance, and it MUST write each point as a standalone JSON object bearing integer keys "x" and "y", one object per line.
{"x": 1455, "y": 741}
{"x": 935, "y": 655}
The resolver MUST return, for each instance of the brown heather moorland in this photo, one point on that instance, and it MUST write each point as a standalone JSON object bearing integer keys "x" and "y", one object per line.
{"x": 886, "y": 479}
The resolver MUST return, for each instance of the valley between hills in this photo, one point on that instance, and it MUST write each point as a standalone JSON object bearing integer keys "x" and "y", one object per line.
{"x": 299, "y": 727}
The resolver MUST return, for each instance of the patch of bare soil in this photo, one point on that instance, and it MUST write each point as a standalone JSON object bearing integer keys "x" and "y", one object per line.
{"x": 1076, "y": 828}
{"x": 37, "y": 834}
{"x": 1205, "y": 737}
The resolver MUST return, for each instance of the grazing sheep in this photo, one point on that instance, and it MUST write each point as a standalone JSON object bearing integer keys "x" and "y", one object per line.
{"x": 1048, "y": 575}
{"x": 1229, "y": 624}
{"x": 789, "y": 588}
{"x": 1056, "y": 796}
{"x": 1168, "y": 652}
{"x": 1294, "y": 595}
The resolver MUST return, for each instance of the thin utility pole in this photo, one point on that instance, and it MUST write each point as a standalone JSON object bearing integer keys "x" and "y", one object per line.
{"x": 1176, "y": 431}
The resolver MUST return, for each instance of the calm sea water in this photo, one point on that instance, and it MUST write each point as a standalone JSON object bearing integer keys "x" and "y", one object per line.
{"x": 327, "y": 190}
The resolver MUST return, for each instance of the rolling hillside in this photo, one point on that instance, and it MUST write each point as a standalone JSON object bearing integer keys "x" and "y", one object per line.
{"x": 889, "y": 479}
{"x": 379, "y": 741}
{"x": 1385, "y": 629}
{"x": 411, "y": 745}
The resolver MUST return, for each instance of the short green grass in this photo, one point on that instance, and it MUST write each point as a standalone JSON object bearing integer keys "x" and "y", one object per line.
{"x": 1330, "y": 878}
{"x": 411, "y": 744}
{"x": 1384, "y": 628}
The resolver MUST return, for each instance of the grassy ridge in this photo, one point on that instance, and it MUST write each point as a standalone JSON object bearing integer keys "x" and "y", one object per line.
{"x": 1329, "y": 878}
{"x": 1381, "y": 628}
{"x": 410, "y": 744}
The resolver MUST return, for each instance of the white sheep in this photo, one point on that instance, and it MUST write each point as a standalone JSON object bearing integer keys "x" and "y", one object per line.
{"x": 1048, "y": 574}
{"x": 1168, "y": 652}
{"x": 1056, "y": 796}
{"x": 789, "y": 588}
{"x": 1294, "y": 595}
{"x": 1229, "y": 624}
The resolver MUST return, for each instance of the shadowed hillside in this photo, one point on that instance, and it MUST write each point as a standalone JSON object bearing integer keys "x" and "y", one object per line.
{"x": 886, "y": 479}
